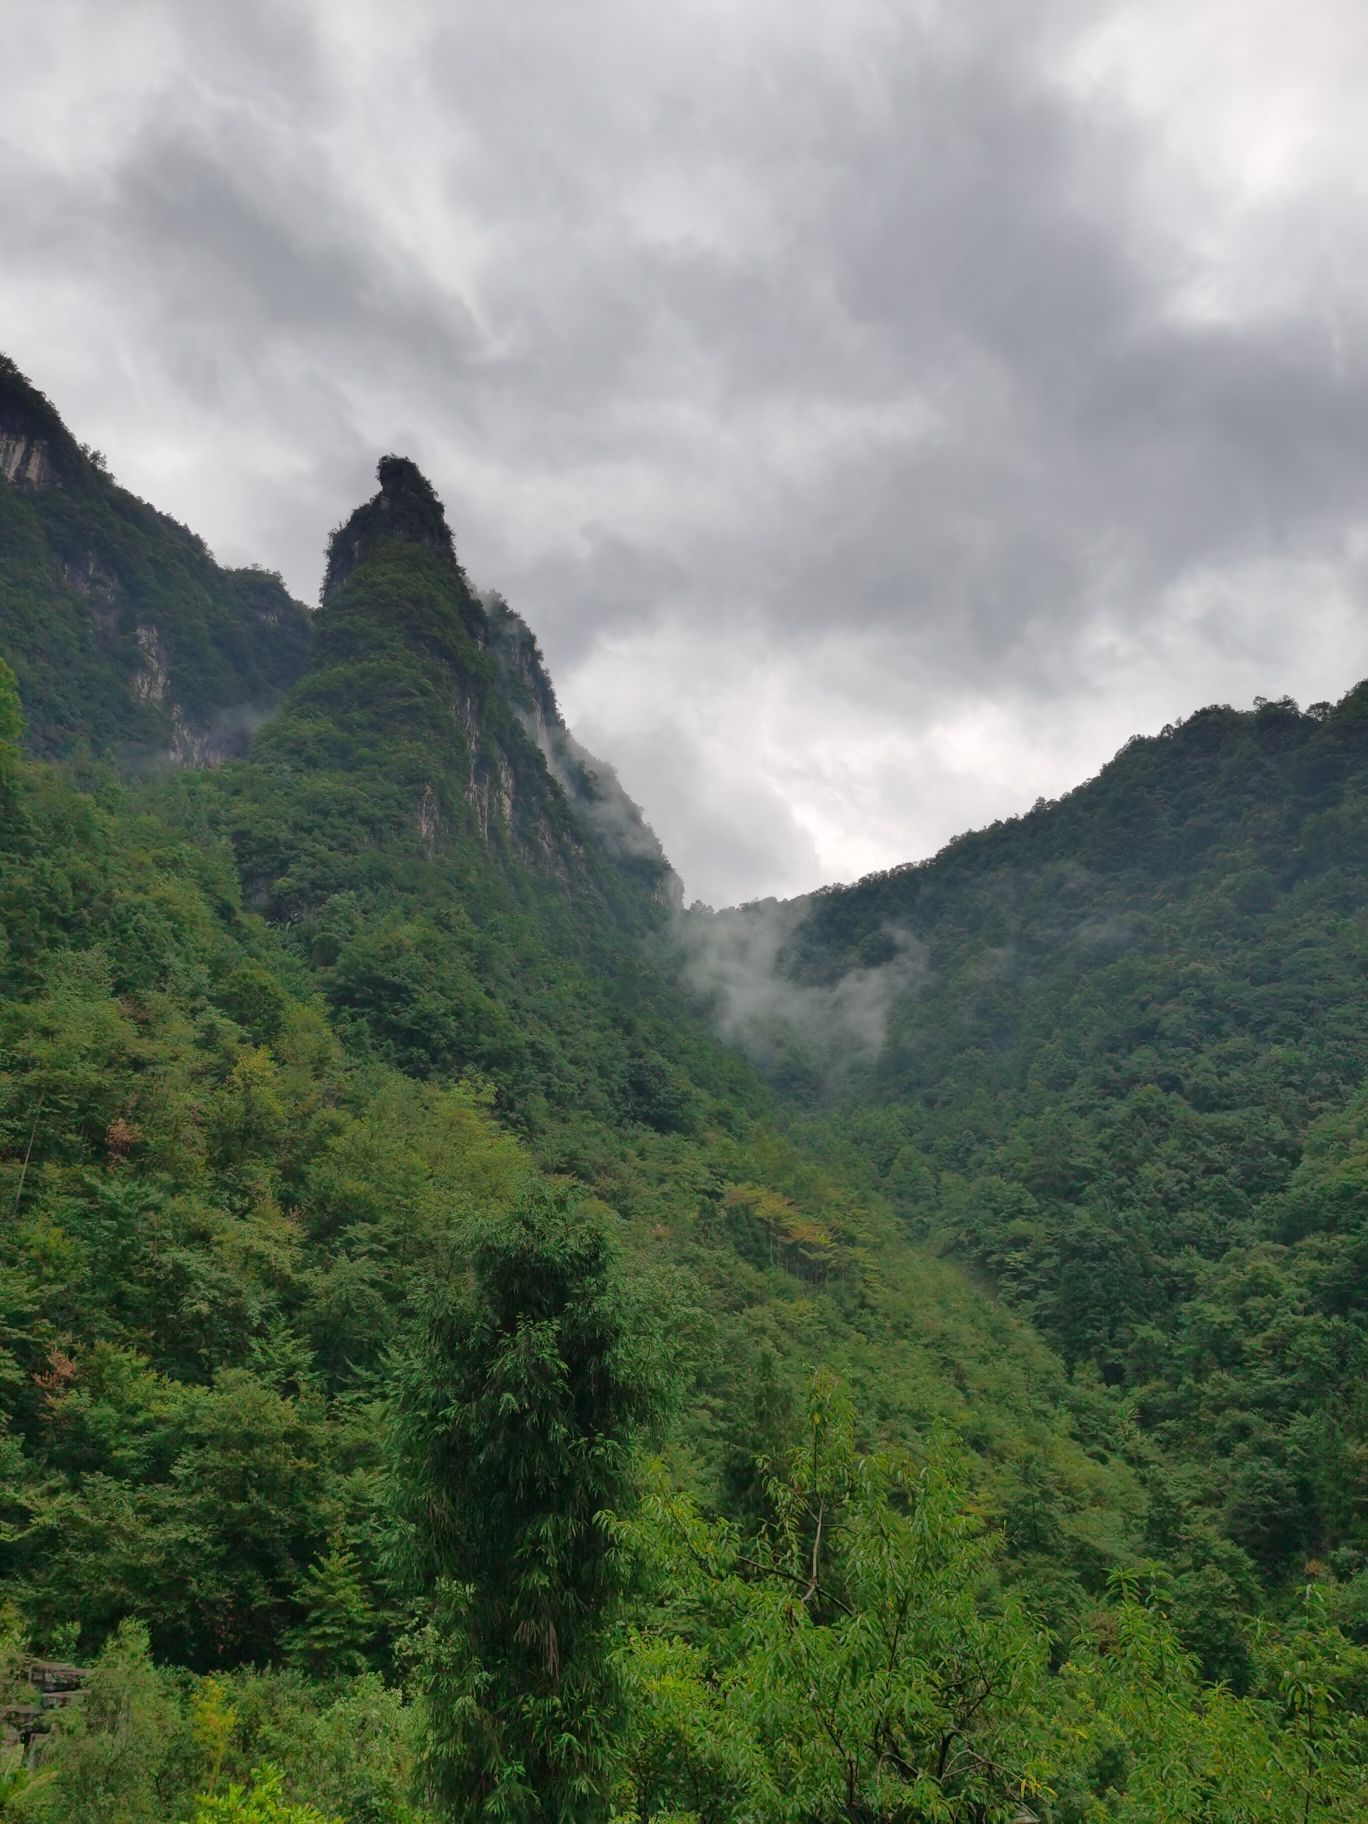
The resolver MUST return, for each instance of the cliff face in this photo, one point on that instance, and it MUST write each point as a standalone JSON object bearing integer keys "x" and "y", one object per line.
{"x": 24, "y": 461}
{"x": 590, "y": 785}
{"x": 126, "y": 637}
{"x": 417, "y": 678}
{"x": 130, "y": 641}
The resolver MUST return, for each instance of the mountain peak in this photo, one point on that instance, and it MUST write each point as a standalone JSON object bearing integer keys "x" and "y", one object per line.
{"x": 400, "y": 476}
{"x": 406, "y": 508}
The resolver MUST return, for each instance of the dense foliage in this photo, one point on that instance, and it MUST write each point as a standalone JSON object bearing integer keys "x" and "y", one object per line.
{"x": 1128, "y": 1085}
{"x": 515, "y": 1418}
{"x": 370, "y": 1172}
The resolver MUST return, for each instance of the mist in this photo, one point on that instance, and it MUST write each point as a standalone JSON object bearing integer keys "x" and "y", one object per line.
{"x": 741, "y": 961}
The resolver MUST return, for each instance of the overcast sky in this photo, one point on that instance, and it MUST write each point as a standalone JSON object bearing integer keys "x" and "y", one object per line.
{"x": 879, "y": 408}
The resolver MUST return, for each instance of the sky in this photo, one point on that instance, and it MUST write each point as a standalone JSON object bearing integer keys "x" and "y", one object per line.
{"x": 880, "y": 409}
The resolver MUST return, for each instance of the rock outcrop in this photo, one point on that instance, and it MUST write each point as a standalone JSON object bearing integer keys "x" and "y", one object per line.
{"x": 25, "y": 461}
{"x": 410, "y": 659}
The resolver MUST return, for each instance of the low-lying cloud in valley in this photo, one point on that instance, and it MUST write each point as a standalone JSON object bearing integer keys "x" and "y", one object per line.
{"x": 740, "y": 962}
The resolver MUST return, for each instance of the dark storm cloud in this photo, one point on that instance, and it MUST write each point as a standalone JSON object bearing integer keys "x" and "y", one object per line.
{"x": 877, "y": 408}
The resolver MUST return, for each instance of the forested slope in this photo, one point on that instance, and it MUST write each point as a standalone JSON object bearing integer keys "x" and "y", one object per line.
{"x": 327, "y": 1067}
{"x": 1128, "y": 1085}
{"x": 126, "y": 636}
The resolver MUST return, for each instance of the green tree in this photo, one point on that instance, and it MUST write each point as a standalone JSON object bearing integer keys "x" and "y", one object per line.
{"x": 263, "y": 1802}
{"x": 339, "y": 1622}
{"x": 11, "y": 722}
{"x": 1138, "y": 1739}
{"x": 213, "y": 1722}
{"x": 851, "y": 1663}
{"x": 20, "y": 1787}
{"x": 516, "y": 1416}
{"x": 112, "y": 1753}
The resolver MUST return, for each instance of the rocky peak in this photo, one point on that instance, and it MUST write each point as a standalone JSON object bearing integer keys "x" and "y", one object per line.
{"x": 400, "y": 478}
{"x": 406, "y": 508}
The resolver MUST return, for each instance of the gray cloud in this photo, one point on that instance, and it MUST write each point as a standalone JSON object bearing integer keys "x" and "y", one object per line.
{"x": 879, "y": 410}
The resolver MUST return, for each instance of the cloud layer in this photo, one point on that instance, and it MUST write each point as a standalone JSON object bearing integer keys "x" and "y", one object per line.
{"x": 880, "y": 408}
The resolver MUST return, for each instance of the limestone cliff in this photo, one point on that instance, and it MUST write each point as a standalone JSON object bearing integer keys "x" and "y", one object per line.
{"x": 25, "y": 460}
{"x": 591, "y": 785}
{"x": 130, "y": 641}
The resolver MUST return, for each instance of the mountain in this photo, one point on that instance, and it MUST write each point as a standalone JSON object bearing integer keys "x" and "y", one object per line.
{"x": 440, "y": 702}
{"x": 127, "y": 638}
{"x": 1125, "y": 1082}
{"x": 332, "y": 965}
{"x": 416, "y": 853}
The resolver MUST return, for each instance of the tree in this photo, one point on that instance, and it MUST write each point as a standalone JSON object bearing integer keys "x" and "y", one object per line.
{"x": 109, "y": 1754}
{"x": 263, "y": 1802}
{"x": 11, "y": 720}
{"x": 339, "y": 1622}
{"x": 852, "y": 1660}
{"x": 515, "y": 1419}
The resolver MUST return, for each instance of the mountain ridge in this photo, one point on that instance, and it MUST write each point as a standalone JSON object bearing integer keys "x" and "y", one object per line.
{"x": 1053, "y": 1145}
{"x": 126, "y": 636}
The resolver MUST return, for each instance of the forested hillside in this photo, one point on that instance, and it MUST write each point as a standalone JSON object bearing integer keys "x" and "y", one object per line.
{"x": 1128, "y": 1086}
{"x": 443, "y": 1377}
{"x": 127, "y": 638}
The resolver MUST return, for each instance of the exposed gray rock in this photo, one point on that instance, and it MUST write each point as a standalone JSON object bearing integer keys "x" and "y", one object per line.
{"x": 25, "y": 461}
